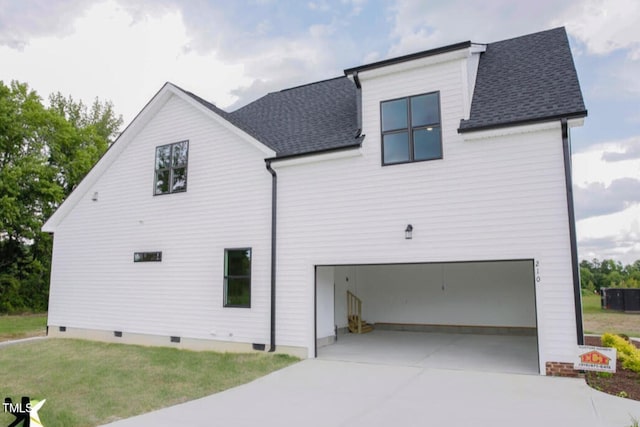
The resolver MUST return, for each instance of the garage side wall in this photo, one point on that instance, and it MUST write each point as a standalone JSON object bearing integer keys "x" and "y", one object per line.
{"x": 497, "y": 198}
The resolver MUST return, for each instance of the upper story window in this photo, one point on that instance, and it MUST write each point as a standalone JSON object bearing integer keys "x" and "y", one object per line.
{"x": 411, "y": 129}
{"x": 171, "y": 168}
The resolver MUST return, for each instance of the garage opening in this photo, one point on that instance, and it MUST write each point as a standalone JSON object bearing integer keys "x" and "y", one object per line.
{"x": 477, "y": 315}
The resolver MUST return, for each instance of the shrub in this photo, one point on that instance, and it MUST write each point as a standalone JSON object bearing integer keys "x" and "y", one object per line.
{"x": 629, "y": 355}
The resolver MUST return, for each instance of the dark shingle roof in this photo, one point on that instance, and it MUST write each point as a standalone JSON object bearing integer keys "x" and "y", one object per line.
{"x": 521, "y": 80}
{"x": 526, "y": 79}
{"x": 304, "y": 119}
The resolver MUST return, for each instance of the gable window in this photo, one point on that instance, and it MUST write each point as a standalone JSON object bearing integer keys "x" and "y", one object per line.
{"x": 237, "y": 277}
{"x": 411, "y": 129}
{"x": 171, "y": 168}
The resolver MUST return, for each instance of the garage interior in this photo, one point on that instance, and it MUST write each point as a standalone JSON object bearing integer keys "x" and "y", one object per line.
{"x": 477, "y": 315}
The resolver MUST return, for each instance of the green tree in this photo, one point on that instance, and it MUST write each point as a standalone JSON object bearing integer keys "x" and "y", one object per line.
{"x": 44, "y": 153}
{"x": 608, "y": 273}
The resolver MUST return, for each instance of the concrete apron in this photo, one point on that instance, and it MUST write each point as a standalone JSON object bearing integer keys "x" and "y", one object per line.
{"x": 492, "y": 353}
{"x": 324, "y": 393}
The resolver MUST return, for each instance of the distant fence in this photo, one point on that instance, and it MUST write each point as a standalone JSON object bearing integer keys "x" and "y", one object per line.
{"x": 619, "y": 299}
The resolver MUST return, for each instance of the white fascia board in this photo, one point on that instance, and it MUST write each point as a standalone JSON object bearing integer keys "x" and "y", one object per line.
{"x": 575, "y": 123}
{"x": 316, "y": 158}
{"x": 224, "y": 122}
{"x": 511, "y": 130}
{"x": 415, "y": 63}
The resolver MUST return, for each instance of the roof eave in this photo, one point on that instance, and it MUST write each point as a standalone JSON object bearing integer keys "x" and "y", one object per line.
{"x": 572, "y": 115}
{"x": 410, "y": 57}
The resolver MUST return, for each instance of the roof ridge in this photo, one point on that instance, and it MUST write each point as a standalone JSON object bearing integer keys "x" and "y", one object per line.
{"x": 309, "y": 84}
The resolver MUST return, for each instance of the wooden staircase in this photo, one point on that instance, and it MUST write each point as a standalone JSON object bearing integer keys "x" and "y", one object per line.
{"x": 354, "y": 315}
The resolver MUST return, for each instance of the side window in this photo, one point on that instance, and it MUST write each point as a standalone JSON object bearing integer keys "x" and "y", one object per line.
{"x": 171, "y": 168}
{"x": 411, "y": 129}
{"x": 237, "y": 277}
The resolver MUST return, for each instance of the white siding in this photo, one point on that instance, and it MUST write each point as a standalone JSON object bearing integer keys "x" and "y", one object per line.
{"x": 96, "y": 285}
{"x": 493, "y": 199}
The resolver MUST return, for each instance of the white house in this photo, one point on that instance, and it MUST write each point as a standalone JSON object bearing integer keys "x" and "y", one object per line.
{"x": 435, "y": 186}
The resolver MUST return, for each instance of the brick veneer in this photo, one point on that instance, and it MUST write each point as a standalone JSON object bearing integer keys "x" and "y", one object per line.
{"x": 562, "y": 369}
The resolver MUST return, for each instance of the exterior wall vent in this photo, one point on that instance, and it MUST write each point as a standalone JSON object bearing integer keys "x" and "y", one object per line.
{"x": 117, "y": 334}
{"x": 175, "y": 339}
{"x": 63, "y": 329}
{"x": 259, "y": 347}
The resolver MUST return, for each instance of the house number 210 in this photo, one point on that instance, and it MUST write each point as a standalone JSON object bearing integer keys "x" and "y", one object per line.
{"x": 537, "y": 273}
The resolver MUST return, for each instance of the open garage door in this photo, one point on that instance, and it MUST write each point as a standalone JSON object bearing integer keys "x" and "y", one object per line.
{"x": 480, "y": 313}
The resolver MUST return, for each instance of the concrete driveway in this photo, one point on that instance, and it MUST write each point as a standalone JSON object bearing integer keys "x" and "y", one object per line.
{"x": 318, "y": 392}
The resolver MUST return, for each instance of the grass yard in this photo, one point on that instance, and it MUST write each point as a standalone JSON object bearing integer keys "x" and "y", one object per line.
{"x": 16, "y": 327}
{"x": 89, "y": 383}
{"x": 599, "y": 321}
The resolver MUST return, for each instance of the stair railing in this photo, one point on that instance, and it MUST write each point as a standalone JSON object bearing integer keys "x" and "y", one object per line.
{"x": 354, "y": 309}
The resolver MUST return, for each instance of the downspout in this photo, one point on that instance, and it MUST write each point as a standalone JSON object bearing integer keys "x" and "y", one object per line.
{"x": 356, "y": 80}
{"x": 577, "y": 292}
{"x": 274, "y": 190}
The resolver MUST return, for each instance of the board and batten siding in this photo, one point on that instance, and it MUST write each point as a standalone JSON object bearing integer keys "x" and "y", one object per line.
{"x": 96, "y": 285}
{"x": 498, "y": 198}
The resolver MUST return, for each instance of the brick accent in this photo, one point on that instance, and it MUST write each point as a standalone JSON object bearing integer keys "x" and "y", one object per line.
{"x": 562, "y": 369}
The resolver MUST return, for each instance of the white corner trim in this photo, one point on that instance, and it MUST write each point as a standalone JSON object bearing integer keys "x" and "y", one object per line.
{"x": 512, "y": 130}
{"x": 316, "y": 158}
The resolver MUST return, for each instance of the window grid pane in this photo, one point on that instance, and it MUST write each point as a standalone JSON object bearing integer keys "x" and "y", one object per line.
{"x": 424, "y": 110}
{"x": 426, "y": 143}
{"x": 396, "y": 147}
{"x": 394, "y": 115}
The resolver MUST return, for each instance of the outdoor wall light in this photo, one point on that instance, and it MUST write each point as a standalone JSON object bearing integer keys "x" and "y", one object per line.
{"x": 95, "y": 197}
{"x": 408, "y": 232}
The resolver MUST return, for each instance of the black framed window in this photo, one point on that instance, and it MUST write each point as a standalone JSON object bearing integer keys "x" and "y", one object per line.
{"x": 411, "y": 129}
{"x": 237, "y": 277}
{"x": 171, "y": 168}
{"x": 147, "y": 256}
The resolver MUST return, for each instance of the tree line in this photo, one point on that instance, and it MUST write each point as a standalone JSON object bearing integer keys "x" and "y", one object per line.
{"x": 595, "y": 274}
{"x": 45, "y": 150}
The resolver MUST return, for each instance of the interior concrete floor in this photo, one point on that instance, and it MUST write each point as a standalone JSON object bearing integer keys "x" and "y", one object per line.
{"x": 487, "y": 353}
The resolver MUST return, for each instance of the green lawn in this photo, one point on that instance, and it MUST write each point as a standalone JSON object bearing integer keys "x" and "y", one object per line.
{"x": 599, "y": 321}
{"x": 89, "y": 383}
{"x": 15, "y": 327}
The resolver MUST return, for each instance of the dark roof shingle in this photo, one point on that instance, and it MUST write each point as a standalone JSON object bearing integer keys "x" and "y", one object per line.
{"x": 521, "y": 80}
{"x": 525, "y": 79}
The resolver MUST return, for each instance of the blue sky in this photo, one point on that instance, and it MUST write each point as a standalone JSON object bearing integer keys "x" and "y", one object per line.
{"x": 233, "y": 52}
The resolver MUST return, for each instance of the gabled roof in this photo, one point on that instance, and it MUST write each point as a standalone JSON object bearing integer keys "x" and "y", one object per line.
{"x": 311, "y": 118}
{"x": 526, "y": 79}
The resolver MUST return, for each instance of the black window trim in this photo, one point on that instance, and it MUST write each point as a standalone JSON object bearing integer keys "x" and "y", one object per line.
{"x": 225, "y": 277}
{"x": 170, "y": 169}
{"x": 409, "y": 129}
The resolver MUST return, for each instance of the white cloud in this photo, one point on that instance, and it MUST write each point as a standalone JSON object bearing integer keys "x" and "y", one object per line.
{"x": 111, "y": 55}
{"x": 420, "y": 25}
{"x": 606, "y": 25}
{"x": 614, "y": 236}
{"x": 590, "y": 166}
